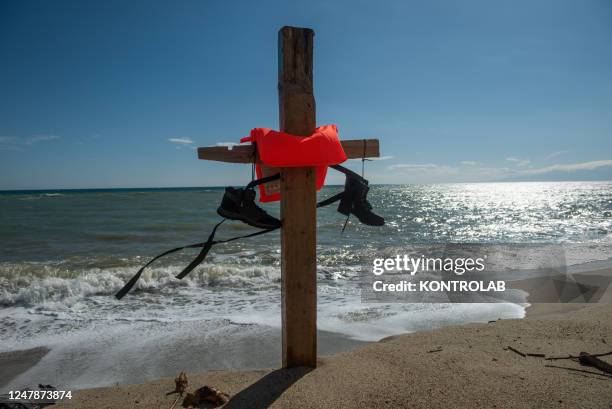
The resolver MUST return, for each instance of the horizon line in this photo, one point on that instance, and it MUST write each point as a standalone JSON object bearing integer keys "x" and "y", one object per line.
{"x": 223, "y": 186}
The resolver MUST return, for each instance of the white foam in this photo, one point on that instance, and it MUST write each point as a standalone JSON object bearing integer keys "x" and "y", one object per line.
{"x": 23, "y": 287}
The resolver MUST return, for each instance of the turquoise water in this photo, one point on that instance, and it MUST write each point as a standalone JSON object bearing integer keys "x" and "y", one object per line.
{"x": 64, "y": 253}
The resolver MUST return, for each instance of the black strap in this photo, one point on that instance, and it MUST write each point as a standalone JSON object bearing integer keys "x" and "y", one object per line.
{"x": 330, "y": 200}
{"x": 200, "y": 257}
{"x": 266, "y": 179}
{"x": 347, "y": 172}
{"x": 246, "y": 236}
{"x": 128, "y": 286}
{"x": 276, "y": 176}
{"x": 207, "y": 245}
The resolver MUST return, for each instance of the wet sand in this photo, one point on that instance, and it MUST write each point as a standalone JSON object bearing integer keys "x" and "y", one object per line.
{"x": 14, "y": 363}
{"x": 471, "y": 367}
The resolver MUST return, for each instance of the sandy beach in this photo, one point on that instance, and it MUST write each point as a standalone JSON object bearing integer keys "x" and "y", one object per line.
{"x": 463, "y": 366}
{"x": 460, "y": 366}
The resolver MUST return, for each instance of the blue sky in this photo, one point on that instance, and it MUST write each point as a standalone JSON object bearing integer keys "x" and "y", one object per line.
{"x": 118, "y": 94}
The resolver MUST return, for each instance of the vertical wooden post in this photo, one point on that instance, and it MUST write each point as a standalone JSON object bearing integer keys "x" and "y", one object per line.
{"x": 298, "y": 202}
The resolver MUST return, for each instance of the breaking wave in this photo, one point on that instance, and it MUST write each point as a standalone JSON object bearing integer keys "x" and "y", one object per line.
{"x": 30, "y": 284}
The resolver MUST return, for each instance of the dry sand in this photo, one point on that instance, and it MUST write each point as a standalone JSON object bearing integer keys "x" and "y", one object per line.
{"x": 473, "y": 369}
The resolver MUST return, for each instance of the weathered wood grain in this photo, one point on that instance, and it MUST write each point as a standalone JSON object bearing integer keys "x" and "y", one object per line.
{"x": 298, "y": 202}
{"x": 354, "y": 149}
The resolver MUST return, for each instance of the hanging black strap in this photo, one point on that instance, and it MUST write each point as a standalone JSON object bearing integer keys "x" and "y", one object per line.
{"x": 346, "y": 171}
{"x": 266, "y": 179}
{"x": 326, "y": 202}
{"x": 128, "y": 286}
{"x": 330, "y": 200}
{"x": 207, "y": 245}
{"x": 276, "y": 176}
{"x": 200, "y": 257}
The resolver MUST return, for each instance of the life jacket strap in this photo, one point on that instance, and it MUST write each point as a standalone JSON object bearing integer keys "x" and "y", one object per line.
{"x": 207, "y": 245}
{"x": 330, "y": 200}
{"x": 349, "y": 173}
{"x": 128, "y": 286}
{"x": 263, "y": 180}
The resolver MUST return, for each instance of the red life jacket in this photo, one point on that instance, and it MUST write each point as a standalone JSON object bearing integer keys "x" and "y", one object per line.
{"x": 282, "y": 150}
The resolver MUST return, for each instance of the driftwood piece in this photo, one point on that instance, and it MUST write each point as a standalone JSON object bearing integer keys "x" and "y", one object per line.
{"x": 438, "y": 349}
{"x": 554, "y": 358}
{"x": 516, "y": 351}
{"x": 590, "y": 360}
{"x": 525, "y": 354}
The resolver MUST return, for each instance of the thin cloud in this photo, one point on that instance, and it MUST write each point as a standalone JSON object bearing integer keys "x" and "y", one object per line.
{"x": 572, "y": 167}
{"x": 15, "y": 143}
{"x": 32, "y": 140}
{"x": 519, "y": 162}
{"x": 555, "y": 154}
{"x": 435, "y": 173}
{"x": 416, "y": 166}
{"x": 182, "y": 141}
{"x": 468, "y": 163}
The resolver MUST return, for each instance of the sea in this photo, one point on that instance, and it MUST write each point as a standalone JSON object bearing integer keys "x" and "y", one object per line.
{"x": 64, "y": 253}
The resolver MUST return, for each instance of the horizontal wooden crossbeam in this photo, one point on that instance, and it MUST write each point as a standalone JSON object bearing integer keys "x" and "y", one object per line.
{"x": 354, "y": 149}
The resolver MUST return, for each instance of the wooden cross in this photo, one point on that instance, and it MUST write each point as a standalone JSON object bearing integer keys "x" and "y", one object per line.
{"x": 298, "y": 196}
